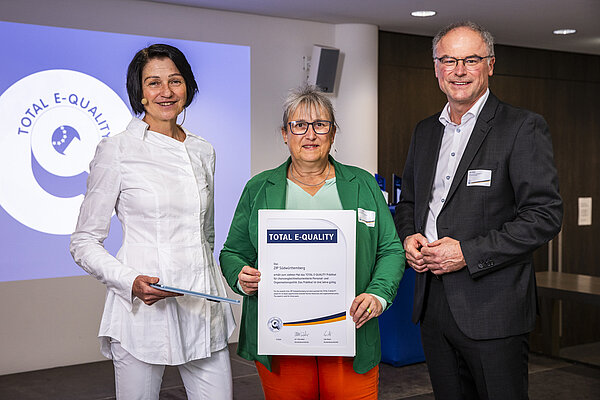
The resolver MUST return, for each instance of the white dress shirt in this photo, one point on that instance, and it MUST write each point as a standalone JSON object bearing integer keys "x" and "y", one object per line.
{"x": 162, "y": 192}
{"x": 454, "y": 143}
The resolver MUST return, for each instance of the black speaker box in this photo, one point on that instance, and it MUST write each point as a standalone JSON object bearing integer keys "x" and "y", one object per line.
{"x": 323, "y": 67}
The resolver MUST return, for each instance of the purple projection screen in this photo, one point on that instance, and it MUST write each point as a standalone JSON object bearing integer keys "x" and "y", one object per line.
{"x": 61, "y": 91}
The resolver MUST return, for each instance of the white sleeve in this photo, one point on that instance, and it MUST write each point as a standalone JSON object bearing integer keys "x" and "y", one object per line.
{"x": 87, "y": 242}
{"x": 381, "y": 300}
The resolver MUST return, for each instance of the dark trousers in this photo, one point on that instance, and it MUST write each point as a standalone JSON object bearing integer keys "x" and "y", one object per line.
{"x": 462, "y": 368}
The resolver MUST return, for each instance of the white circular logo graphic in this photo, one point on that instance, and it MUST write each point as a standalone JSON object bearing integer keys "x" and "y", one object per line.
{"x": 275, "y": 324}
{"x": 50, "y": 125}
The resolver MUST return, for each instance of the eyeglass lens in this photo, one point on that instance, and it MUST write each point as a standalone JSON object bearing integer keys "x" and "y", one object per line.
{"x": 468, "y": 62}
{"x": 301, "y": 127}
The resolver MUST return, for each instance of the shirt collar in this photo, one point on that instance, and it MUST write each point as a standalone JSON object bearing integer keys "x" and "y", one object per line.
{"x": 473, "y": 112}
{"x": 137, "y": 127}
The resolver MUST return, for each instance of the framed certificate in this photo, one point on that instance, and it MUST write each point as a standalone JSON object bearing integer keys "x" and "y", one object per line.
{"x": 307, "y": 264}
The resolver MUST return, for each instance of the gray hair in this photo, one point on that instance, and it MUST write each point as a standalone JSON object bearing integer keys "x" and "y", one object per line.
{"x": 306, "y": 96}
{"x": 486, "y": 36}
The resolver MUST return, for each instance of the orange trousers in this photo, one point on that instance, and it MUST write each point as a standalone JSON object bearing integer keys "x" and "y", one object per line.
{"x": 312, "y": 378}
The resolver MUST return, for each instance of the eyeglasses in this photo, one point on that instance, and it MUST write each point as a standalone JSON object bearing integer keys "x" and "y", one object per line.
{"x": 470, "y": 62}
{"x": 301, "y": 127}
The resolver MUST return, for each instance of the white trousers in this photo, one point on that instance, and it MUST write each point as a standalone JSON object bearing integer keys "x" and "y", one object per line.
{"x": 205, "y": 379}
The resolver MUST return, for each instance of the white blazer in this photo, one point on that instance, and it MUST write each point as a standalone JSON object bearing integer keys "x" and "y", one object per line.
{"x": 162, "y": 192}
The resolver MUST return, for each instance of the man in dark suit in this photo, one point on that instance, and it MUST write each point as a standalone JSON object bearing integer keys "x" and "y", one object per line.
{"x": 479, "y": 195}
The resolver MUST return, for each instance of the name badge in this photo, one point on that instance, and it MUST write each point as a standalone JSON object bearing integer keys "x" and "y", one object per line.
{"x": 479, "y": 177}
{"x": 367, "y": 217}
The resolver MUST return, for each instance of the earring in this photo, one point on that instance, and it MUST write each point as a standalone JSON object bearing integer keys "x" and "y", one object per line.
{"x": 144, "y": 101}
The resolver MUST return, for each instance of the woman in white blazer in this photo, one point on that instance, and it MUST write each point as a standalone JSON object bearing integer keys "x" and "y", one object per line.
{"x": 158, "y": 178}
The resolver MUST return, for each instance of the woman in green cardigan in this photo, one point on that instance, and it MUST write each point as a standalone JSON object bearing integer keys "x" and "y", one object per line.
{"x": 312, "y": 179}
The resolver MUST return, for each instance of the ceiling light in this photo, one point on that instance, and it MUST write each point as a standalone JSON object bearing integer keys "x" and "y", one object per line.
{"x": 423, "y": 14}
{"x": 564, "y": 31}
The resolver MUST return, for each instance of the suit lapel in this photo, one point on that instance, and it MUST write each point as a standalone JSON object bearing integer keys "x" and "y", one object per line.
{"x": 427, "y": 167}
{"x": 273, "y": 197}
{"x": 480, "y": 131}
{"x": 346, "y": 186}
{"x": 276, "y": 187}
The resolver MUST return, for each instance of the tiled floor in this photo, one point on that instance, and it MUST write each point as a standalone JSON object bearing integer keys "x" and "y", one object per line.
{"x": 549, "y": 379}
{"x": 587, "y": 353}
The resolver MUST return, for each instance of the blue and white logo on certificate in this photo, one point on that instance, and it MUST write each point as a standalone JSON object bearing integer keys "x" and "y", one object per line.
{"x": 275, "y": 324}
{"x": 307, "y": 264}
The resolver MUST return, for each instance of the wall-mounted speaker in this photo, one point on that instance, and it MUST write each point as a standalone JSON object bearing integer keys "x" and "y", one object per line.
{"x": 323, "y": 67}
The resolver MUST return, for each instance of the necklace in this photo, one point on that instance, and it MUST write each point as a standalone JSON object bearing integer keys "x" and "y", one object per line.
{"x": 308, "y": 184}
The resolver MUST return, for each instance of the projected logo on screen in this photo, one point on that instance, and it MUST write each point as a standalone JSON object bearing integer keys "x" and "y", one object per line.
{"x": 50, "y": 124}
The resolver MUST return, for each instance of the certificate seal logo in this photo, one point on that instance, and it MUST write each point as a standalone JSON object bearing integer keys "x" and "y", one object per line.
{"x": 50, "y": 124}
{"x": 275, "y": 324}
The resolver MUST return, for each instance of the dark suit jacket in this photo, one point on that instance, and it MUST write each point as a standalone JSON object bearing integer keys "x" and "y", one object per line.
{"x": 498, "y": 226}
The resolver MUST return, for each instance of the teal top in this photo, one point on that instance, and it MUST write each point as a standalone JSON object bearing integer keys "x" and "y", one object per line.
{"x": 379, "y": 253}
{"x": 327, "y": 198}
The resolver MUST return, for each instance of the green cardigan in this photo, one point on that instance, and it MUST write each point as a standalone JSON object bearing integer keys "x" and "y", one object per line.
{"x": 379, "y": 253}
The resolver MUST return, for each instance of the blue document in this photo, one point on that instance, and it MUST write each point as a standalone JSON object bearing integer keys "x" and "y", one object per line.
{"x": 198, "y": 294}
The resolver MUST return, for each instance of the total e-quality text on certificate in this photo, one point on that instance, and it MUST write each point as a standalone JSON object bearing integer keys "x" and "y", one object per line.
{"x": 307, "y": 264}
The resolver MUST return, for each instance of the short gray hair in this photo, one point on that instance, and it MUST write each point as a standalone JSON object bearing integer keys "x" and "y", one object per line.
{"x": 487, "y": 37}
{"x": 306, "y": 96}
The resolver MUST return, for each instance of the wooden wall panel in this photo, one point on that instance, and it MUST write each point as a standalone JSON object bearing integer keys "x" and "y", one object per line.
{"x": 408, "y": 93}
{"x": 563, "y": 87}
